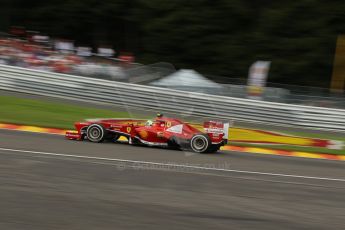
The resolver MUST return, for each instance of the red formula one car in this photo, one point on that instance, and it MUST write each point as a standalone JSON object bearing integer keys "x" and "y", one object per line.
{"x": 162, "y": 131}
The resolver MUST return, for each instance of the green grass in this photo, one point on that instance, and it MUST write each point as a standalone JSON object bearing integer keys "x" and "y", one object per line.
{"x": 16, "y": 110}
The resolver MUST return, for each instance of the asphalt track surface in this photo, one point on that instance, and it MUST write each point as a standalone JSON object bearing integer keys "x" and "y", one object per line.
{"x": 48, "y": 182}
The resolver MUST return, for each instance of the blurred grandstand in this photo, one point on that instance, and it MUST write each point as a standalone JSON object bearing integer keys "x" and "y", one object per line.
{"x": 43, "y": 53}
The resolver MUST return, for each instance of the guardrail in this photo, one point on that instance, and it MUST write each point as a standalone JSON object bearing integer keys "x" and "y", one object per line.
{"x": 162, "y": 99}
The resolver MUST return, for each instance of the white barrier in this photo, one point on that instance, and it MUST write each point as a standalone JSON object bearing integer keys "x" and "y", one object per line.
{"x": 162, "y": 99}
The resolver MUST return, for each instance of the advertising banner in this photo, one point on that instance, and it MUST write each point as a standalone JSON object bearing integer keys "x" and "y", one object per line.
{"x": 257, "y": 78}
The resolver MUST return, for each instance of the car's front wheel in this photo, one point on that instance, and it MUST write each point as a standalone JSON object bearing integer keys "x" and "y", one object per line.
{"x": 200, "y": 143}
{"x": 96, "y": 133}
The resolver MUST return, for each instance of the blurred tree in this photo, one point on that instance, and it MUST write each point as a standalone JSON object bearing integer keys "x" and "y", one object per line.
{"x": 218, "y": 37}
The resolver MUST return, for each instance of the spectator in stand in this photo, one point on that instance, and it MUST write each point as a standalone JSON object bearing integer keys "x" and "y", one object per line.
{"x": 126, "y": 57}
{"x": 32, "y": 50}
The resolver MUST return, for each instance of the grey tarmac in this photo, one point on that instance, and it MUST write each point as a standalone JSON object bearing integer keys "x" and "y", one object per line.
{"x": 48, "y": 182}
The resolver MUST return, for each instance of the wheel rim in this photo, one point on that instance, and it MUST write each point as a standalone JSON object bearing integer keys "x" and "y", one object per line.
{"x": 95, "y": 133}
{"x": 199, "y": 143}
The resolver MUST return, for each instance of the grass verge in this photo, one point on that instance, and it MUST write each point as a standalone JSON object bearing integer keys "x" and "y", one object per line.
{"x": 41, "y": 113}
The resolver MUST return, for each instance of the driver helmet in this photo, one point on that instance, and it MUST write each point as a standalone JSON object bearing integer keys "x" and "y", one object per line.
{"x": 149, "y": 123}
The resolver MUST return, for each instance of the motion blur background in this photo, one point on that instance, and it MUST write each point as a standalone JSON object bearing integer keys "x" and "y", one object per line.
{"x": 142, "y": 41}
{"x": 63, "y": 61}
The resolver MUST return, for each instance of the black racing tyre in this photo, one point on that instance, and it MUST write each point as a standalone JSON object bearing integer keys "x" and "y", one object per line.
{"x": 200, "y": 143}
{"x": 213, "y": 148}
{"x": 96, "y": 133}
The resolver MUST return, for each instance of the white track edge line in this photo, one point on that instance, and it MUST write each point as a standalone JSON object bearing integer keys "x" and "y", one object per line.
{"x": 174, "y": 165}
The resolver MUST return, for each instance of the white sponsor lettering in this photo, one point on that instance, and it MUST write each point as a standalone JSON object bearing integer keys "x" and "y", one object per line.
{"x": 175, "y": 129}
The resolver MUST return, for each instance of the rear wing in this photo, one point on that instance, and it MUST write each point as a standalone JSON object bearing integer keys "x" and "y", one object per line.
{"x": 226, "y": 127}
{"x": 218, "y": 130}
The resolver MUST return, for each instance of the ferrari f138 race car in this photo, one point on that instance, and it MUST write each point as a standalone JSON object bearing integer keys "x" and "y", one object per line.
{"x": 161, "y": 131}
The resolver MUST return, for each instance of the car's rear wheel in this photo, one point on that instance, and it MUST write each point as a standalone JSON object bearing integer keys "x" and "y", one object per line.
{"x": 96, "y": 133}
{"x": 200, "y": 143}
{"x": 213, "y": 148}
